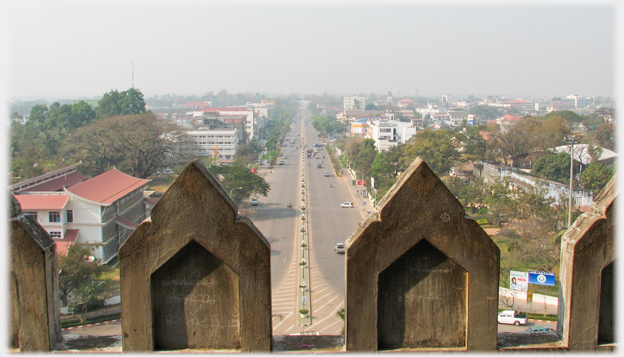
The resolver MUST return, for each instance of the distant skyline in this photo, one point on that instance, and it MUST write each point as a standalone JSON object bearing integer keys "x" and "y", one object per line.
{"x": 527, "y": 51}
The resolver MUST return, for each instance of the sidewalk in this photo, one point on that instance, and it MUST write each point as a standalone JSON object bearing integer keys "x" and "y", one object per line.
{"x": 363, "y": 204}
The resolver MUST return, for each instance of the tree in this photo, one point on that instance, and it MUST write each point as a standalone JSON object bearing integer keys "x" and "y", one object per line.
{"x": 240, "y": 176}
{"x": 513, "y": 142}
{"x": 125, "y": 103}
{"x": 596, "y": 176}
{"x": 132, "y": 102}
{"x": 247, "y": 154}
{"x": 76, "y": 270}
{"x": 382, "y": 172}
{"x": 568, "y": 115}
{"x": 393, "y": 156}
{"x": 439, "y": 149}
{"x": 136, "y": 144}
{"x": 486, "y": 112}
{"x": 604, "y": 136}
{"x": 553, "y": 167}
{"x": 370, "y": 106}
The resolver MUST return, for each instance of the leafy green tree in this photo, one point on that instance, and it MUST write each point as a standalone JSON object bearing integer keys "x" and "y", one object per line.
{"x": 596, "y": 176}
{"x": 132, "y": 102}
{"x": 239, "y": 176}
{"x": 568, "y": 115}
{"x": 393, "y": 157}
{"x": 77, "y": 270}
{"x": 121, "y": 103}
{"x": 486, "y": 112}
{"x": 439, "y": 149}
{"x": 370, "y": 106}
{"x": 553, "y": 167}
{"x": 109, "y": 105}
{"x": 381, "y": 171}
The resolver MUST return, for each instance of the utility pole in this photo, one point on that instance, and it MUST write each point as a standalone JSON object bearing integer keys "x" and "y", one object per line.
{"x": 571, "y": 140}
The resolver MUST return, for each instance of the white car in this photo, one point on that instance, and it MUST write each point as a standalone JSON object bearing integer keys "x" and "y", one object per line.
{"x": 347, "y": 205}
{"x": 339, "y": 248}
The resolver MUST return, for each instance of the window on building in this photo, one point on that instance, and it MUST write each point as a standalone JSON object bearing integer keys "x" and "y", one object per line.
{"x": 70, "y": 216}
{"x": 55, "y": 234}
{"x": 31, "y": 214}
{"x": 54, "y": 216}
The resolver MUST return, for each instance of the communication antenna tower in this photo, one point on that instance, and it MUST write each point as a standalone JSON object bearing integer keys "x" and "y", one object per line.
{"x": 132, "y": 74}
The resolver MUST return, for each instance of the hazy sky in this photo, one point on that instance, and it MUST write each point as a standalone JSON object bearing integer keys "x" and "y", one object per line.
{"x": 71, "y": 50}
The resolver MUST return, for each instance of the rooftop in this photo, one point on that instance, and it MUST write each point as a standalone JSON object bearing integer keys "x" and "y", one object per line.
{"x": 107, "y": 187}
{"x": 42, "y": 202}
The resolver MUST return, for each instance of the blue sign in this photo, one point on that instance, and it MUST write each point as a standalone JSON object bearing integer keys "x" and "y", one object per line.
{"x": 541, "y": 278}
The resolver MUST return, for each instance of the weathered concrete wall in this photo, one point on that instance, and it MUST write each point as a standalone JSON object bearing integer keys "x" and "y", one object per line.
{"x": 586, "y": 306}
{"x": 419, "y": 275}
{"x": 35, "y": 304}
{"x": 195, "y": 274}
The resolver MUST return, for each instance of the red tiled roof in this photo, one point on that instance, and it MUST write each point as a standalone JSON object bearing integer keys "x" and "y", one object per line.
{"x": 62, "y": 245}
{"x": 58, "y": 183}
{"x": 108, "y": 187}
{"x": 46, "y": 202}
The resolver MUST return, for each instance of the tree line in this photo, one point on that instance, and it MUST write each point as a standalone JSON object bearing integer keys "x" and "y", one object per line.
{"x": 530, "y": 223}
{"x": 119, "y": 132}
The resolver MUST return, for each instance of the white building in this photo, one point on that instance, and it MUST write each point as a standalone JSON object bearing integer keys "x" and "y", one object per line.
{"x": 102, "y": 210}
{"x": 250, "y": 128}
{"x": 350, "y": 103}
{"x": 388, "y": 132}
{"x": 580, "y": 101}
{"x": 225, "y": 141}
{"x": 449, "y": 99}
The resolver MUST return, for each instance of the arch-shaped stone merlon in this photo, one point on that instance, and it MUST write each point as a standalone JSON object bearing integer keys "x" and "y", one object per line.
{"x": 195, "y": 275}
{"x": 438, "y": 271}
{"x": 586, "y": 304}
{"x": 34, "y": 283}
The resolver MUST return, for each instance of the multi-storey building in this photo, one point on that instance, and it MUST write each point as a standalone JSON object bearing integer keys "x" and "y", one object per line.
{"x": 101, "y": 211}
{"x": 350, "y": 103}
{"x": 249, "y": 122}
{"x": 224, "y": 141}
{"x": 388, "y": 132}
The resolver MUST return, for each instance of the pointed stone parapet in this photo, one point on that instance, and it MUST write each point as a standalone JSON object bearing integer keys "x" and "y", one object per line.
{"x": 196, "y": 275}
{"x": 586, "y": 295}
{"x": 419, "y": 274}
{"x": 34, "y": 299}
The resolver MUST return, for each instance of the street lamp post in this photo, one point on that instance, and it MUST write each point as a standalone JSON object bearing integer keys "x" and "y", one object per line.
{"x": 235, "y": 188}
{"x": 571, "y": 140}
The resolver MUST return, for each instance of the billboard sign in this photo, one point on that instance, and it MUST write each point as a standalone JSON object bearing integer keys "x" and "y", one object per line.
{"x": 541, "y": 278}
{"x": 518, "y": 280}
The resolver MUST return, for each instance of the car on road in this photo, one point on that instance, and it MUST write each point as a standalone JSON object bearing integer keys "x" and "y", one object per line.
{"x": 254, "y": 201}
{"x": 281, "y": 162}
{"x": 534, "y": 329}
{"x": 347, "y": 205}
{"x": 319, "y": 166}
{"x": 511, "y": 317}
{"x": 285, "y": 157}
{"x": 326, "y": 173}
{"x": 339, "y": 248}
